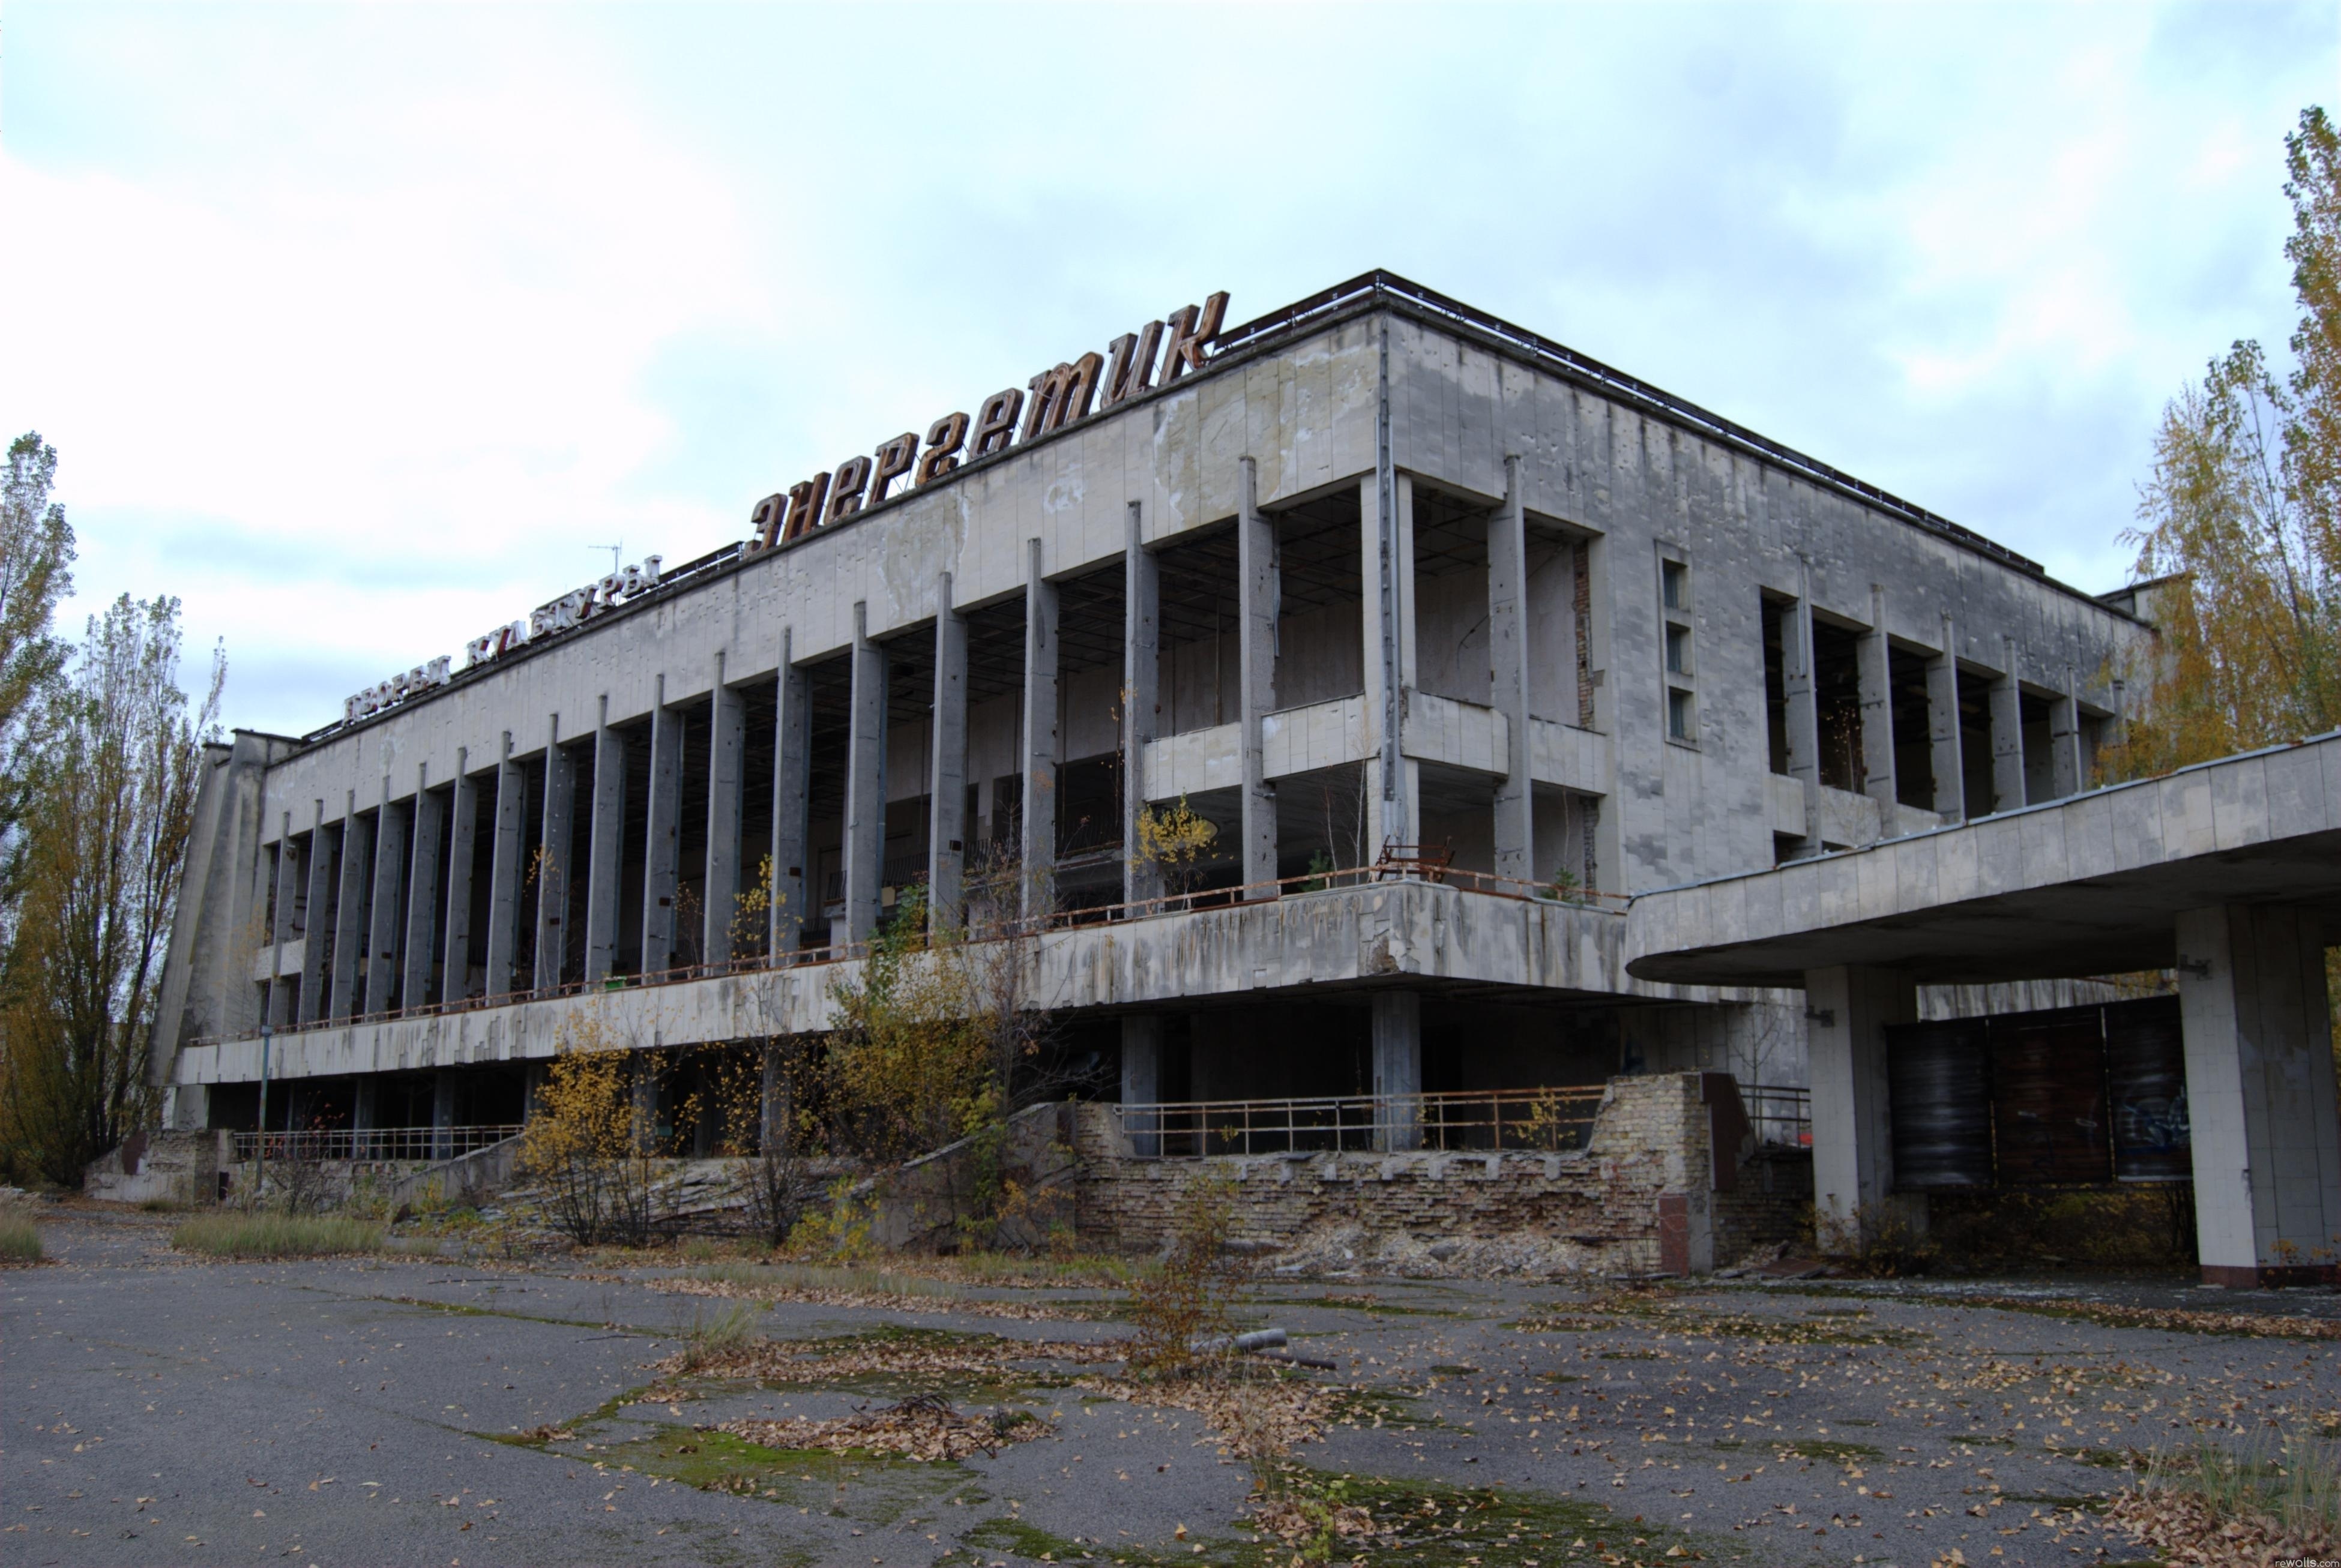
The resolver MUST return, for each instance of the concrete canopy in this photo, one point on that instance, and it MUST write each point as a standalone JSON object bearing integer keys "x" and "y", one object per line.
{"x": 2085, "y": 886}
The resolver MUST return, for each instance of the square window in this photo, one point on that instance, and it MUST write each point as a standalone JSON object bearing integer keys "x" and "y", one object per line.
{"x": 1679, "y": 650}
{"x": 1678, "y": 714}
{"x": 1674, "y": 584}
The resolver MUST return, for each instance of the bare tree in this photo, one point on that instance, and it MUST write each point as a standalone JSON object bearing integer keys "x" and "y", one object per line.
{"x": 108, "y": 806}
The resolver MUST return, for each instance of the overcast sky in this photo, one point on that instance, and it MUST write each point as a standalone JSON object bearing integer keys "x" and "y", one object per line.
{"x": 358, "y": 328}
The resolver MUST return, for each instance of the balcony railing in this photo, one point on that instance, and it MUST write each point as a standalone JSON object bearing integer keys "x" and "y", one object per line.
{"x": 1481, "y": 882}
{"x": 373, "y": 1145}
{"x": 1550, "y": 1120}
{"x": 1781, "y": 1114}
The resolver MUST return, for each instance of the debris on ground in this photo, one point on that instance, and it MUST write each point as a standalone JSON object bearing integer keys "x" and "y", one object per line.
{"x": 925, "y": 1428}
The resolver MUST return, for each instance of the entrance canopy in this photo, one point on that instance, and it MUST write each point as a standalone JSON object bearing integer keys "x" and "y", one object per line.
{"x": 2091, "y": 885}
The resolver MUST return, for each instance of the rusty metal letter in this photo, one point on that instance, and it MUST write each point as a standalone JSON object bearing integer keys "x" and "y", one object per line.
{"x": 1190, "y": 329}
{"x": 1129, "y": 363}
{"x": 805, "y": 500}
{"x": 995, "y": 421}
{"x": 846, "y": 496}
{"x": 763, "y": 528}
{"x": 894, "y": 459}
{"x": 944, "y": 438}
{"x": 1062, "y": 395}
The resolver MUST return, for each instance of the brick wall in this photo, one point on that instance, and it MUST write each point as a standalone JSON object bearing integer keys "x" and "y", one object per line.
{"x": 1639, "y": 1198}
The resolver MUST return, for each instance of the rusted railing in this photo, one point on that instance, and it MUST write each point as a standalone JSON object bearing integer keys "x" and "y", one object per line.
{"x": 1482, "y": 882}
{"x": 373, "y": 1145}
{"x": 1782, "y": 1115}
{"x": 1546, "y": 1119}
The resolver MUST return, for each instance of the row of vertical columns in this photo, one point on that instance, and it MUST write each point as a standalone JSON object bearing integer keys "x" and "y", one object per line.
{"x": 463, "y": 833}
{"x": 1039, "y": 826}
{"x": 349, "y": 932}
{"x": 1142, "y": 709}
{"x": 727, "y": 747}
{"x": 554, "y": 849}
{"x": 1874, "y": 671}
{"x": 663, "y": 867}
{"x": 865, "y": 781}
{"x": 947, "y": 779}
{"x": 605, "y": 841}
{"x": 430, "y": 823}
{"x": 505, "y": 853}
{"x": 1803, "y": 715}
{"x": 1508, "y": 655}
{"x": 791, "y": 762}
{"x": 1256, "y": 586}
{"x": 1943, "y": 738}
{"x": 314, "y": 1000}
{"x": 389, "y": 881}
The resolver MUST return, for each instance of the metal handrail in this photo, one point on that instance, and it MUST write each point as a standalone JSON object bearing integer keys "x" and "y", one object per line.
{"x": 1547, "y": 1120}
{"x": 373, "y": 1145}
{"x": 1781, "y": 1115}
{"x": 1481, "y": 882}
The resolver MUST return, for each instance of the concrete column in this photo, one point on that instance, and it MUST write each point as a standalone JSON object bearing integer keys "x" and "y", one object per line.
{"x": 283, "y": 927}
{"x": 946, "y": 766}
{"x": 2066, "y": 771}
{"x": 776, "y": 1110}
{"x": 1508, "y": 657}
{"x": 1875, "y": 669}
{"x": 386, "y": 921}
{"x": 1141, "y": 699}
{"x": 663, "y": 855}
{"x": 1039, "y": 764}
{"x": 1846, "y": 1010}
{"x": 553, "y": 870}
{"x": 1398, "y": 1069}
{"x": 1257, "y": 590}
{"x": 316, "y": 934}
{"x": 422, "y": 892}
{"x": 1388, "y": 525}
{"x": 1804, "y": 713}
{"x": 604, "y": 842}
{"x": 2260, "y": 1096}
{"x": 1943, "y": 727}
{"x": 865, "y": 782}
{"x": 2006, "y": 734}
{"x": 727, "y": 747}
{"x": 462, "y": 824}
{"x": 791, "y": 764}
{"x": 363, "y": 1114}
{"x": 349, "y": 909}
{"x": 645, "y": 1099}
{"x": 442, "y": 1114}
{"x": 506, "y": 867}
{"x": 1141, "y": 1080}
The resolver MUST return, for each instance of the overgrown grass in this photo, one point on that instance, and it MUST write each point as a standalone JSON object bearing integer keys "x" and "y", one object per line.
{"x": 847, "y": 1279}
{"x": 2294, "y": 1481}
{"x": 20, "y": 1240}
{"x": 712, "y": 1335}
{"x": 230, "y": 1235}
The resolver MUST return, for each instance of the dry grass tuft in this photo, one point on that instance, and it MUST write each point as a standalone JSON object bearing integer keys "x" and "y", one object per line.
{"x": 244, "y": 1235}
{"x": 20, "y": 1240}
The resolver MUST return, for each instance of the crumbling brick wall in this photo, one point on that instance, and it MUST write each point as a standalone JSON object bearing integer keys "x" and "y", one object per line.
{"x": 1639, "y": 1198}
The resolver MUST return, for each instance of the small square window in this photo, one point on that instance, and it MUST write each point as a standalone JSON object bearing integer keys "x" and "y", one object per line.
{"x": 1674, "y": 584}
{"x": 1679, "y": 650}
{"x": 1678, "y": 714}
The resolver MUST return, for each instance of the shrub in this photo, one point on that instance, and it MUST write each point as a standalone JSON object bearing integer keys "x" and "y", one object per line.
{"x": 585, "y": 1143}
{"x": 1190, "y": 1296}
{"x": 20, "y": 1240}
{"x": 228, "y": 1234}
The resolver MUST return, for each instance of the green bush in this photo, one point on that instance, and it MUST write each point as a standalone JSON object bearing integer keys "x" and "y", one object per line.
{"x": 275, "y": 1235}
{"x": 20, "y": 1240}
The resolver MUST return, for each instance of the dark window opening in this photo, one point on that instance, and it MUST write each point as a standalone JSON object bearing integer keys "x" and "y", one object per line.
{"x": 1914, "y": 752}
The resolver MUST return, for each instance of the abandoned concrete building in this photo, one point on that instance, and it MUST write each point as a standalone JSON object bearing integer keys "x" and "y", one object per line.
{"x": 1458, "y": 639}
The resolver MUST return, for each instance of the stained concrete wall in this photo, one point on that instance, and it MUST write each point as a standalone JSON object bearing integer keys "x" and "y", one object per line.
{"x": 1631, "y": 480}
